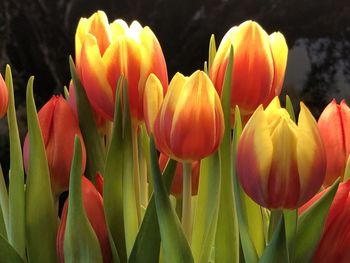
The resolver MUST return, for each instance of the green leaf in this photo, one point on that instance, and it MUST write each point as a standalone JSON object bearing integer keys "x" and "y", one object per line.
{"x": 205, "y": 67}
{"x": 4, "y": 206}
{"x": 147, "y": 244}
{"x": 131, "y": 222}
{"x": 66, "y": 92}
{"x": 40, "y": 217}
{"x": 175, "y": 246}
{"x": 276, "y": 251}
{"x": 248, "y": 213}
{"x": 227, "y": 235}
{"x": 212, "y": 51}
{"x": 206, "y": 212}
{"x": 291, "y": 222}
{"x": 347, "y": 170}
{"x": 8, "y": 253}
{"x": 113, "y": 181}
{"x": 80, "y": 241}
{"x": 311, "y": 224}
{"x": 95, "y": 154}
{"x": 16, "y": 224}
{"x": 289, "y": 108}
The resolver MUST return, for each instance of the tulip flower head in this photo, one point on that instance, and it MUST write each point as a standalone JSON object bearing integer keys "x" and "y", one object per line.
{"x": 177, "y": 185}
{"x": 93, "y": 206}
{"x": 280, "y": 164}
{"x": 4, "y": 97}
{"x": 59, "y": 126}
{"x": 334, "y": 125}
{"x": 190, "y": 123}
{"x": 335, "y": 241}
{"x": 258, "y": 66}
{"x": 106, "y": 51}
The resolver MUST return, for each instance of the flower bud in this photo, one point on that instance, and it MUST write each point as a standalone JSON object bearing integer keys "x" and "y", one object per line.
{"x": 93, "y": 205}
{"x": 190, "y": 123}
{"x": 59, "y": 126}
{"x": 334, "y": 125}
{"x": 258, "y": 66}
{"x": 280, "y": 164}
{"x": 4, "y": 97}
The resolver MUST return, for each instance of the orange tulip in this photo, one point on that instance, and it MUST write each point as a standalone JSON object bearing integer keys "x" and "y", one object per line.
{"x": 59, "y": 126}
{"x": 93, "y": 205}
{"x": 176, "y": 187}
{"x": 106, "y": 51}
{"x": 4, "y": 97}
{"x": 258, "y": 66}
{"x": 334, "y": 125}
{"x": 335, "y": 241}
{"x": 280, "y": 164}
{"x": 190, "y": 123}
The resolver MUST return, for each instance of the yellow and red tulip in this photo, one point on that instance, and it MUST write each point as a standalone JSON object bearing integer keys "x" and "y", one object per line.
{"x": 93, "y": 205}
{"x": 190, "y": 123}
{"x": 106, "y": 51}
{"x": 281, "y": 164}
{"x": 59, "y": 126}
{"x": 334, "y": 125}
{"x": 177, "y": 185}
{"x": 4, "y": 97}
{"x": 335, "y": 241}
{"x": 258, "y": 66}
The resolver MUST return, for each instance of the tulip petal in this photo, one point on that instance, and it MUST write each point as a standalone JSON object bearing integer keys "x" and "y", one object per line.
{"x": 99, "y": 28}
{"x": 94, "y": 78}
{"x": 279, "y": 50}
{"x": 118, "y": 28}
{"x": 310, "y": 155}
{"x": 345, "y": 114}
{"x": 254, "y": 157}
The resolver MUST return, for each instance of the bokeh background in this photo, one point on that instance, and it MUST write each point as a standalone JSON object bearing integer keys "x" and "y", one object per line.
{"x": 37, "y": 36}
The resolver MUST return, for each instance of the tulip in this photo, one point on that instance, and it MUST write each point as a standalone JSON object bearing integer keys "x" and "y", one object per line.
{"x": 4, "y": 97}
{"x": 190, "y": 123}
{"x": 59, "y": 126}
{"x": 335, "y": 241}
{"x": 334, "y": 125}
{"x": 105, "y": 51}
{"x": 93, "y": 206}
{"x": 258, "y": 66}
{"x": 280, "y": 164}
{"x": 177, "y": 185}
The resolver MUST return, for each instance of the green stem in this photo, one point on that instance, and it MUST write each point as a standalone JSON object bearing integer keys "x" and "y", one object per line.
{"x": 274, "y": 219}
{"x": 186, "y": 201}
{"x": 135, "y": 155}
{"x": 144, "y": 184}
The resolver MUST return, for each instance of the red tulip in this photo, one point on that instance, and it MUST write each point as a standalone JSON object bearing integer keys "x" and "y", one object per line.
{"x": 93, "y": 205}
{"x": 106, "y": 51}
{"x": 59, "y": 126}
{"x": 335, "y": 242}
{"x": 4, "y": 97}
{"x": 176, "y": 187}
{"x": 190, "y": 123}
{"x": 258, "y": 66}
{"x": 334, "y": 125}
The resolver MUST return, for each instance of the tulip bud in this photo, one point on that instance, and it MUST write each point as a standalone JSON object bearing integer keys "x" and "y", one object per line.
{"x": 190, "y": 123}
{"x": 152, "y": 101}
{"x": 4, "y": 97}
{"x": 93, "y": 205}
{"x": 105, "y": 51}
{"x": 334, "y": 125}
{"x": 59, "y": 126}
{"x": 280, "y": 164}
{"x": 176, "y": 187}
{"x": 258, "y": 66}
{"x": 335, "y": 241}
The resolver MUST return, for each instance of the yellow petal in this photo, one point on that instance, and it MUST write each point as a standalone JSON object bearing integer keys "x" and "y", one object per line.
{"x": 310, "y": 154}
{"x": 100, "y": 29}
{"x": 82, "y": 30}
{"x": 152, "y": 101}
{"x": 119, "y": 28}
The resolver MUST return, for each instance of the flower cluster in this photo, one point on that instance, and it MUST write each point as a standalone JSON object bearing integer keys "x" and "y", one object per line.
{"x": 206, "y": 168}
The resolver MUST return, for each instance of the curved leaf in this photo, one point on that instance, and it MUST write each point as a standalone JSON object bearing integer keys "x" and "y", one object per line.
{"x": 8, "y": 253}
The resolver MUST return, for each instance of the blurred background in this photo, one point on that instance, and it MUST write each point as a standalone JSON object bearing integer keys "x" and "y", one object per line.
{"x": 37, "y": 36}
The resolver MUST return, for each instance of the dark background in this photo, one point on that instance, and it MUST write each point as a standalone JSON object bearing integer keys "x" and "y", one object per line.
{"x": 37, "y": 36}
